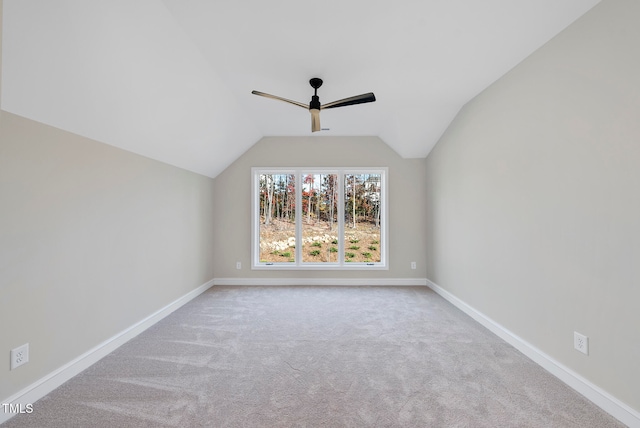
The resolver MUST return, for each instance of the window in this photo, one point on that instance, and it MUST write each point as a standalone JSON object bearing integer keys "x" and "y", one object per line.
{"x": 311, "y": 218}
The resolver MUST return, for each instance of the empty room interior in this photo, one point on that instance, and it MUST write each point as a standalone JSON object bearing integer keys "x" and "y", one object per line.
{"x": 499, "y": 172}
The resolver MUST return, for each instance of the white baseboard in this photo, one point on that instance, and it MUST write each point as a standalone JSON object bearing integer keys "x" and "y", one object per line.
{"x": 352, "y": 282}
{"x": 597, "y": 395}
{"x": 45, "y": 385}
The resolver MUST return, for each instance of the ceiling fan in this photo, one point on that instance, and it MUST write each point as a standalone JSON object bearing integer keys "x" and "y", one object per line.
{"x": 314, "y": 106}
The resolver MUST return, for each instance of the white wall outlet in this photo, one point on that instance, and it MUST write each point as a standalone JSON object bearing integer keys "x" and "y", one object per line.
{"x": 413, "y": 265}
{"x": 19, "y": 356}
{"x": 581, "y": 342}
{"x": 238, "y": 265}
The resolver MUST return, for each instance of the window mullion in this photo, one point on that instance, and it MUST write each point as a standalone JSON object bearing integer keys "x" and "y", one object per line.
{"x": 298, "y": 184}
{"x": 341, "y": 217}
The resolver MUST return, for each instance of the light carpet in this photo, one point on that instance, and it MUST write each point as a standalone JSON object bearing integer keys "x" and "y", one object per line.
{"x": 315, "y": 357}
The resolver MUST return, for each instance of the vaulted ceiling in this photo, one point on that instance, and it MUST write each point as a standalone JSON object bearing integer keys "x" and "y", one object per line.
{"x": 172, "y": 79}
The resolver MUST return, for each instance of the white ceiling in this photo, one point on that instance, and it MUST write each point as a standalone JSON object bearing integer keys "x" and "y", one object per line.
{"x": 172, "y": 79}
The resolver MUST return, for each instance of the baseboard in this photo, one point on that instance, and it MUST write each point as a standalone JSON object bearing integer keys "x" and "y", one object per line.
{"x": 42, "y": 387}
{"x": 595, "y": 394}
{"x": 351, "y": 282}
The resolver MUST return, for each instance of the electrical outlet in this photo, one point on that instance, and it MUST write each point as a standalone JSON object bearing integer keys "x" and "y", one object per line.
{"x": 238, "y": 265}
{"x": 581, "y": 342}
{"x": 413, "y": 265}
{"x": 19, "y": 356}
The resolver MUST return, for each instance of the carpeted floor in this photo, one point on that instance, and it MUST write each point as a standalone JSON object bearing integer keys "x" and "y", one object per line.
{"x": 315, "y": 357}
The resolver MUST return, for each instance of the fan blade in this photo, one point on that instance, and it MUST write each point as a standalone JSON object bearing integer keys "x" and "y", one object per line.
{"x": 315, "y": 120}
{"x": 262, "y": 94}
{"x": 358, "y": 99}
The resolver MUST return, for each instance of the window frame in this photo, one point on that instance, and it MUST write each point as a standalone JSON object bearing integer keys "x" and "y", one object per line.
{"x": 299, "y": 264}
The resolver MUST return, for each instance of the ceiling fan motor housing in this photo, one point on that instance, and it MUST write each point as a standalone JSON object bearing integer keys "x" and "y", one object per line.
{"x": 315, "y": 103}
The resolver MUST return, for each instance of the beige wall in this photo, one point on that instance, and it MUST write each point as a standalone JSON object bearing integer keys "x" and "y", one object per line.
{"x": 534, "y": 199}
{"x": 406, "y": 203}
{"x": 92, "y": 240}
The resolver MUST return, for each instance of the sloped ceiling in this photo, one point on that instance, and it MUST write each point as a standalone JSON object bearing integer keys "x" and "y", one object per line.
{"x": 172, "y": 80}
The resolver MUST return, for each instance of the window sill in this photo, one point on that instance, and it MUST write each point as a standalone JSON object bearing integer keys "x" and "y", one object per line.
{"x": 313, "y": 266}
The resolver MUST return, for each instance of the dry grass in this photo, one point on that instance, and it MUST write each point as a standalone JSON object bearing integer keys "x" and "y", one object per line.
{"x": 320, "y": 242}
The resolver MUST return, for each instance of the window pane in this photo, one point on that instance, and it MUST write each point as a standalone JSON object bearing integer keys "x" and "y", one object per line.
{"x": 362, "y": 217}
{"x": 277, "y": 218}
{"x": 319, "y": 218}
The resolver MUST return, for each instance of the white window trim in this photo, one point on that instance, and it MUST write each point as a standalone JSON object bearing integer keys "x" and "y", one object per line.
{"x": 299, "y": 264}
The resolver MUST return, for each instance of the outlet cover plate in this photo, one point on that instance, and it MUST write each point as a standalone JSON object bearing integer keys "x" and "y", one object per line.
{"x": 19, "y": 356}
{"x": 581, "y": 342}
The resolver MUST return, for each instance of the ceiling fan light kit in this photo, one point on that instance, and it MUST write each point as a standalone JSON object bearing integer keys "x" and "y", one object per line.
{"x": 315, "y": 106}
